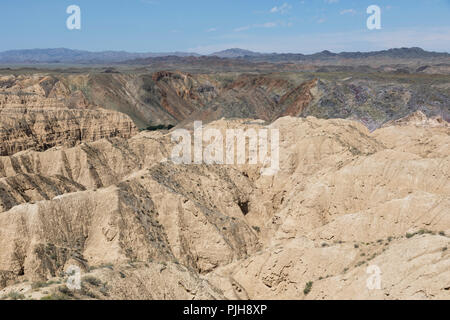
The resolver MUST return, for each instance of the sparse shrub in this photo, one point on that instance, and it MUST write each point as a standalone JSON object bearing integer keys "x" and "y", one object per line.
{"x": 43, "y": 284}
{"x": 56, "y": 296}
{"x": 65, "y": 291}
{"x": 356, "y": 246}
{"x": 88, "y": 293}
{"x": 308, "y": 287}
{"x": 107, "y": 266}
{"x": 372, "y": 257}
{"x": 14, "y": 295}
{"x": 442, "y": 233}
{"x": 92, "y": 281}
{"x": 104, "y": 290}
{"x": 420, "y": 232}
{"x": 38, "y": 285}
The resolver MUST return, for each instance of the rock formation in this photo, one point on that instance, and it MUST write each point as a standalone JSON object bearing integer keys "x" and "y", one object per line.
{"x": 40, "y": 112}
{"x": 141, "y": 227}
{"x": 153, "y": 98}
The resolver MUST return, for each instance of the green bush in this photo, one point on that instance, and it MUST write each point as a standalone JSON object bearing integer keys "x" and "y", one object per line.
{"x": 92, "y": 281}
{"x": 308, "y": 287}
{"x": 14, "y": 295}
{"x": 420, "y": 232}
{"x": 56, "y": 296}
{"x": 38, "y": 285}
{"x": 65, "y": 291}
{"x": 257, "y": 229}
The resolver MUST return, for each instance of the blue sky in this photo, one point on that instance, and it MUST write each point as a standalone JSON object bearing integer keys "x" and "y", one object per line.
{"x": 303, "y": 26}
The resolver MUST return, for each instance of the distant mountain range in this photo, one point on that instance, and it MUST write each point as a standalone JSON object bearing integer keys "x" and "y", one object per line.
{"x": 236, "y": 53}
{"x": 69, "y": 56}
{"x": 399, "y": 53}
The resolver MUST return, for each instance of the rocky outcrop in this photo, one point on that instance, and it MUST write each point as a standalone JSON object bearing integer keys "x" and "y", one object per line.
{"x": 40, "y": 112}
{"x": 419, "y": 119}
{"x": 296, "y": 101}
{"x": 23, "y": 129}
{"x": 182, "y": 93}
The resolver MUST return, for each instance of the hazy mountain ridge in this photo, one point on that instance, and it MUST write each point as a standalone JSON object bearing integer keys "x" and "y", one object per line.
{"x": 395, "y": 53}
{"x": 69, "y": 56}
{"x": 236, "y": 53}
{"x": 63, "y": 55}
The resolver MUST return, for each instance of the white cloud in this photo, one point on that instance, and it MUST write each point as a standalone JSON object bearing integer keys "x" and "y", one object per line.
{"x": 242, "y": 28}
{"x": 264, "y": 25}
{"x": 284, "y": 8}
{"x": 269, "y": 25}
{"x": 348, "y": 11}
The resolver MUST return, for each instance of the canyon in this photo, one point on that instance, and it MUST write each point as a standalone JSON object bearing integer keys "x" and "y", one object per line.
{"x": 141, "y": 227}
{"x": 86, "y": 180}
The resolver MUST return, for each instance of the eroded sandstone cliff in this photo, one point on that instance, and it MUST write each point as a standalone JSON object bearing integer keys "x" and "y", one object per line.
{"x": 40, "y": 112}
